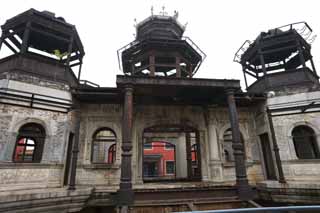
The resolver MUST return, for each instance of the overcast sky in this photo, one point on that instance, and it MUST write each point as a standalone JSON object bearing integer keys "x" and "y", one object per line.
{"x": 217, "y": 27}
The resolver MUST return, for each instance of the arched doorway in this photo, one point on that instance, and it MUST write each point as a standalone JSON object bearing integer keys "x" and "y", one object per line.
{"x": 171, "y": 153}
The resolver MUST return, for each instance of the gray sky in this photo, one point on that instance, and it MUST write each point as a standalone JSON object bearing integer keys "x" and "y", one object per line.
{"x": 217, "y": 27}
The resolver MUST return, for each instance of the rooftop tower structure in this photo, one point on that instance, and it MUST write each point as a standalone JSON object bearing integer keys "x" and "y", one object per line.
{"x": 280, "y": 58}
{"x": 160, "y": 50}
{"x": 42, "y": 45}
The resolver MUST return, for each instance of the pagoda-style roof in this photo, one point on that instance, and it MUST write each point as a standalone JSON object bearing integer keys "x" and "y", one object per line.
{"x": 159, "y": 26}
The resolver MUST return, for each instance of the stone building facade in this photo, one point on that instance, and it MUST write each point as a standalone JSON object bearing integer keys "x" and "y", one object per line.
{"x": 52, "y": 125}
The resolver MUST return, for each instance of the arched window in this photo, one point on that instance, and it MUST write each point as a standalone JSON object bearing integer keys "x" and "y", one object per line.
{"x": 305, "y": 142}
{"x": 104, "y": 146}
{"x": 227, "y": 145}
{"x": 29, "y": 144}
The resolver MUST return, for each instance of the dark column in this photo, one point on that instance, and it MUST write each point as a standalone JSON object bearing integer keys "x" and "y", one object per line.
{"x": 189, "y": 155}
{"x": 190, "y": 71}
{"x": 198, "y": 171}
{"x": 178, "y": 68}
{"x": 69, "y": 51}
{"x": 302, "y": 60}
{"x": 75, "y": 151}
{"x": 311, "y": 60}
{"x": 263, "y": 64}
{"x": 25, "y": 40}
{"x": 275, "y": 148}
{"x": 152, "y": 65}
{"x": 244, "y": 190}
{"x": 80, "y": 68}
{"x": 244, "y": 75}
{"x": 1, "y": 40}
{"x": 125, "y": 193}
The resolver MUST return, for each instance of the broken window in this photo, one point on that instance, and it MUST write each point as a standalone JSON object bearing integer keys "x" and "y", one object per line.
{"x": 29, "y": 144}
{"x": 305, "y": 142}
{"x": 104, "y": 146}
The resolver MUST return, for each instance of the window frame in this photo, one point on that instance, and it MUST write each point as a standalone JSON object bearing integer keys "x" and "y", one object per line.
{"x": 230, "y": 152}
{"x": 174, "y": 167}
{"x": 111, "y": 141}
{"x": 311, "y": 139}
{"x": 147, "y": 147}
{"x": 37, "y": 135}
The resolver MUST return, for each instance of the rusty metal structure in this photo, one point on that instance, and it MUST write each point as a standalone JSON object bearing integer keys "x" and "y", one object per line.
{"x": 278, "y": 58}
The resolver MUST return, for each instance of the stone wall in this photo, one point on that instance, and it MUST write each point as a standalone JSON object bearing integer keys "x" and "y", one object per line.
{"x": 294, "y": 168}
{"x": 47, "y": 173}
{"x": 94, "y": 117}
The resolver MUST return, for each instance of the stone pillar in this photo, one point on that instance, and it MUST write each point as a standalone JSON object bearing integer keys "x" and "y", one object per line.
{"x": 214, "y": 157}
{"x": 75, "y": 151}
{"x": 213, "y": 143}
{"x": 275, "y": 148}
{"x": 244, "y": 190}
{"x": 125, "y": 193}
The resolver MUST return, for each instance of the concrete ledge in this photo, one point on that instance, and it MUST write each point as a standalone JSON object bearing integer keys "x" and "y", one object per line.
{"x": 44, "y": 200}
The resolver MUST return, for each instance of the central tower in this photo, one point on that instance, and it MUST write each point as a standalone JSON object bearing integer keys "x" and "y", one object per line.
{"x": 160, "y": 50}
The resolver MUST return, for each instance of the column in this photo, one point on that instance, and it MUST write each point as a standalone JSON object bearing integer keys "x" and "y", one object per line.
{"x": 125, "y": 193}
{"x": 152, "y": 64}
{"x": 190, "y": 70}
{"x": 275, "y": 148}
{"x": 264, "y": 69}
{"x": 25, "y": 40}
{"x": 311, "y": 60}
{"x": 213, "y": 142}
{"x": 69, "y": 51}
{"x": 244, "y": 76}
{"x": 178, "y": 68}
{"x": 215, "y": 161}
{"x": 189, "y": 155}
{"x": 244, "y": 190}
{"x": 75, "y": 151}
{"x": 1, "y": 40}
{"x": 302, "y": 60}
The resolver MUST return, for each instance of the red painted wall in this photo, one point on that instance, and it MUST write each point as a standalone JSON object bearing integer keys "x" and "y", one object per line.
{"x": 167, "y": 155}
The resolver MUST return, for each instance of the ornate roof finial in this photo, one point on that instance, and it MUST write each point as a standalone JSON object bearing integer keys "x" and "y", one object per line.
{"x": 135, "y": 22}
{"x": 163, "y": 12}
{"x": 176, "y": 14}
{"x": 151, "y": 10}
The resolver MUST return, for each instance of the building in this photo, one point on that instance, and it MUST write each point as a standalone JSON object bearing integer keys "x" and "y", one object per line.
{"x": 68, "y": 145}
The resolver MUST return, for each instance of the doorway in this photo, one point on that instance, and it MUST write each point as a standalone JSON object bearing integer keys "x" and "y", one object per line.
{"x": 267, "y": 157}
{"x": 171, "y": 153}
{"x": 68, "y": 159}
